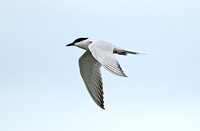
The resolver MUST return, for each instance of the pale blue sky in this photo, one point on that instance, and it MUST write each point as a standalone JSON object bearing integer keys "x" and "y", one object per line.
{"x": 40, "y": 85}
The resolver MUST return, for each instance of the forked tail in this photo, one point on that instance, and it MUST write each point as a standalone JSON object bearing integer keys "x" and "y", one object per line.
{"x": 132, "y": 52}
{"x": 121, "y": 51}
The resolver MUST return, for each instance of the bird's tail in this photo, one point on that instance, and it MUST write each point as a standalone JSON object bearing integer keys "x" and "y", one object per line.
{"x": 132, "y": 52}
{"x": 122, "y": 51}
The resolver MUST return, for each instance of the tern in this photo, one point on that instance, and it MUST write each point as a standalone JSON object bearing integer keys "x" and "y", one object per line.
{"x": 98, "y": 53}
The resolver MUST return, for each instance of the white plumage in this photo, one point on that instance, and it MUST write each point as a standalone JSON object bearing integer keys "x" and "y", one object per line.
{"x": 98, "y": 53}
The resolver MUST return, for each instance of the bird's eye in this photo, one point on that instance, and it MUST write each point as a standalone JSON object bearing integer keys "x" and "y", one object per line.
{"x": 80, "y": 39}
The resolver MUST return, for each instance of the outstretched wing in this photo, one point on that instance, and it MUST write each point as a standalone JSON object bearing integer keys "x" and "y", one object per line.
{"x": 90, "y": 72}
{"x": 103, "y": 53}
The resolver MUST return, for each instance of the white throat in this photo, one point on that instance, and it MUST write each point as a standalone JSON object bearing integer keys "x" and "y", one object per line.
{"x": 84, "y": 44}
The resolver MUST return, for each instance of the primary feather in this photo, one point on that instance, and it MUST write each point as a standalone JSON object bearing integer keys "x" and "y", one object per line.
{"x": 98, "y": 53}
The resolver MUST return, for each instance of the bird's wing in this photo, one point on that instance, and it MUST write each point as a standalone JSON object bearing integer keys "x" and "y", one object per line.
{"x": 90, "y": 72}
{"x": 103, "y": 53}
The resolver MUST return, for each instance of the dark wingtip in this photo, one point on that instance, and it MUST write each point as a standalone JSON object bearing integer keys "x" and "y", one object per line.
{"x": 102, "y": 105}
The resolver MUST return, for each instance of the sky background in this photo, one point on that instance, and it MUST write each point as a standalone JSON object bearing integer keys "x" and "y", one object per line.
{"x": 40, "y": 85}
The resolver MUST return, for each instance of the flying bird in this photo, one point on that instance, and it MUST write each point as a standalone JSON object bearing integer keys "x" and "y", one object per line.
{"x": 98, "y": 53}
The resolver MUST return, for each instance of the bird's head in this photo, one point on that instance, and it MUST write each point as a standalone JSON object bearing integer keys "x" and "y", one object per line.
{"x": 78, "y": 41}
